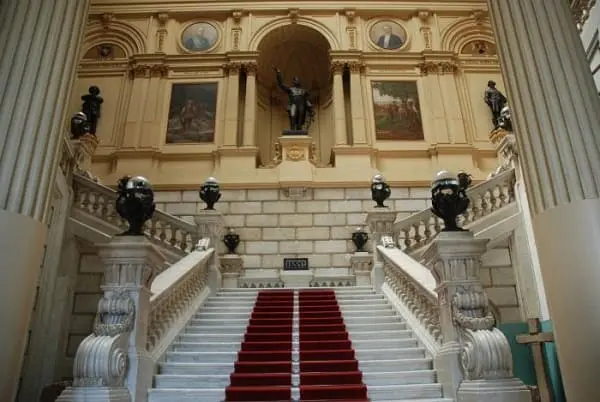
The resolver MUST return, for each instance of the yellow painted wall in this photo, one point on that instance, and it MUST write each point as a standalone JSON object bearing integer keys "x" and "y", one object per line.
{"x": 442, "y": 54}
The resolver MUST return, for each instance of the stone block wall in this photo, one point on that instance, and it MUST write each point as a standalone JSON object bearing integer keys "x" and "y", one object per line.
{"x": 318, "y": 225}
{"x": 498, "y": 278}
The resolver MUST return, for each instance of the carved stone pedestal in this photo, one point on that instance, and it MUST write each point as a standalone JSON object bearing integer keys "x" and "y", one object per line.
{"x": 475, "y": 361}
{"x": 112, "y": 364}
{"x": 381, "y": 223}
{"x": 232, "y": 266}
{"x": 295, "y": 167}
{"x": 211, "y": 225}
{"x": 361, "y": 264}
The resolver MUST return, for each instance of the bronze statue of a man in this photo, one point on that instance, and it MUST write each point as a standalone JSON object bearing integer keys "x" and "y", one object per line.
{"x": 495, "y": 100}
{"x": 299, "y": 105}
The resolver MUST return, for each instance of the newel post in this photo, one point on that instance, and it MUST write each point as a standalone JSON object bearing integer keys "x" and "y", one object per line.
{"x": 475, "y": 361}
{"x": 380, "y": 223}
{"x": 211, "y": 224}
{"x": 112, "y": 364}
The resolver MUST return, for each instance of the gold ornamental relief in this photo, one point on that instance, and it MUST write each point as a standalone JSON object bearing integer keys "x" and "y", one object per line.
{"x": 295, "y": 154}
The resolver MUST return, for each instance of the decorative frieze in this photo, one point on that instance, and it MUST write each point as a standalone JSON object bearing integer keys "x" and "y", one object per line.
{"x": 443, "y": 67}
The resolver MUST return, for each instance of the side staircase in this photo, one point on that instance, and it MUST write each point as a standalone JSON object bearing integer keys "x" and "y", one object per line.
{"x": 201, "y": 363}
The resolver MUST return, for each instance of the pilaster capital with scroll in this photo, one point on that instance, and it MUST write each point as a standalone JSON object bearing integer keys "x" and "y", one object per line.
{"x": 251, "y": 68}
{"x": 338, "y": 66}
{"x": 356, "y": 66}
{"x": 232, "y": 68}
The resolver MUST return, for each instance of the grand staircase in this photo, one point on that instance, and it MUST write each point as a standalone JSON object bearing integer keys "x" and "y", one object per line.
{"x": 235, "y": 334}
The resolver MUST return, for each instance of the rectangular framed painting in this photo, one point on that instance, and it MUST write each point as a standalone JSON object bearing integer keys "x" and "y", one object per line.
{"x": 397, "y": 110}
{"x": 192, "y": 113}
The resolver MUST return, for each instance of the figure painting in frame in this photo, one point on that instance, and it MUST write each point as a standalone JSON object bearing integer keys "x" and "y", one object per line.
{"x": 192, "y": 113}
{"x": 199, "y": 37}
{"x": 388, "y": 35}
{"x": 397, "y": 110}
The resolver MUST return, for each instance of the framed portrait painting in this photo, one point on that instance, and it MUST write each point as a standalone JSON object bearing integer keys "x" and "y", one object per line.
{"x": 388, "y": 35}
{"x": 397, "y": 110}
{"x": 192, "y": 113}
{"x": 199, "y": 37}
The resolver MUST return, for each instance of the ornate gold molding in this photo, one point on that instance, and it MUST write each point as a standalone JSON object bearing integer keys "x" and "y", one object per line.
{"x": 442, "y": 67}
{"x": 276, "y": 159}
{"x": 295, "y": 154}
{"x": 148, "y": 70}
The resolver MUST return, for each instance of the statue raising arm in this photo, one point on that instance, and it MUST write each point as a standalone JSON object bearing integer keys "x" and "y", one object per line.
{"x": 279, "y": 76}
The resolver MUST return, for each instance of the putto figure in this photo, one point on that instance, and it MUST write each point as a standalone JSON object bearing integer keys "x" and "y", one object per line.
{"x": 495, "y": 100}
{"x": 299, "y": 105}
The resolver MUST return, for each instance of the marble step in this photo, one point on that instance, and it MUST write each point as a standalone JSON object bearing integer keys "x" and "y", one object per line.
{"x": 392, "y": 343}
{"x": 216, "y": 329}
{"x": 363, "y": 304}
{"x": 225, "y": 321}
{"x": 371, "y": 366}
{"x": 376, "y": 327}
{"x": 215, "y": 337}
{"x": 206, "y": 346}
{"x": 186, "y": 395}
{"x": 382, "y": 354}
{"x": 360, "y": 298}
{"x": 372, "y": 319}
{"x": 408, "y": 391}
{"x": 226, "y": 309}
{"x": 387, "y": 334}
{"x": 221, "y": 315}
{"x": 400, "y": 377}
{"x": 191, "y": 381}
{"x": 196, "y": 368}
{"x": 382, "y": 312}
{"x": 193, "y": 357}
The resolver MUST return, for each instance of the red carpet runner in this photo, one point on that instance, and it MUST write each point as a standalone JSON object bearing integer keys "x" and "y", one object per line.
{"x": 328, "y": 368}
{"x": 263, "y": 369}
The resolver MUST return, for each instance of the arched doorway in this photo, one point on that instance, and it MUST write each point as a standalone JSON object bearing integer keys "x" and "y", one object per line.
{"x": 299, "y": 51}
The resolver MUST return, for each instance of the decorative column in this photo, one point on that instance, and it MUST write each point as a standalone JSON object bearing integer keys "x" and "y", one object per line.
{"x": 475, "y": 361}
{"x": 112, "y": 364}
{"x": 232, "y": 111}
{"x": 554, "y": 105}
{"x": 339, "y": 113}
{"x": 41, "y": 42}
{"x": 381, "y": 223}
{"x": 359, "y": 128}
{"x": 250, "y": 106}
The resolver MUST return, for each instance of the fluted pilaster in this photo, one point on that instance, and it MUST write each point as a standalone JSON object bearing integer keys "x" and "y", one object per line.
{"x": 40, "y": 47}
{"x": 232, "y": 112}
{"x": 338, "y": 103}
{"x": 555, "y": 112}
{"x": 250, "y": 106}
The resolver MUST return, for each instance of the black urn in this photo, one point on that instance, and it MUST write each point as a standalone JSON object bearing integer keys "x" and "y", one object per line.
{"x": 210, "y": 193}
{"x": 380, "y": 191}
{"x": 449, "y": 198}
{"x": 79, "y": 125}
{"x": 135, "y": 203}
{"x": 360, "y": 238}
{"x": 232, "y": 241}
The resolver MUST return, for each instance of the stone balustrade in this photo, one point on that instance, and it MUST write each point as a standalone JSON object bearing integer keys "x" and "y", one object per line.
{"x": 418, "y": 230}
{"x": 97, "y": 200}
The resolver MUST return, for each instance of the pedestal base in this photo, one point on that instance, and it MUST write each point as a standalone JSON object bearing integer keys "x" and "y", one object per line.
{"x": 295, "y": 168}
{"x": 97, "y": 394}
{"x": 231, "y": 269}
{"x": 294, "y": 132}
{"x": 21, "y": 249}
{"x": 296, "y": 279}
{"x": 361, "y": 263}
{"x": 503, "y": 390}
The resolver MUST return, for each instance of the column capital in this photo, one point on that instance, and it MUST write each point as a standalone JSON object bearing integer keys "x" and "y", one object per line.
{"x": 233, "y": 67}
{"x": 251, "y": 68}
{"x": 437, "y": 67}
{"x": 356, "y": 66}
{"x": 148, "y": 70}
{"x": 338, "y": 66}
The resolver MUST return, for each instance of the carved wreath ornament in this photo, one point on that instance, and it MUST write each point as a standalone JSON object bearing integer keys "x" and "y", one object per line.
{"x": 295, "y": 154}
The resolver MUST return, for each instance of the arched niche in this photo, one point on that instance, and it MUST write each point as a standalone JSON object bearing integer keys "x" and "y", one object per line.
{"x": 105, "y": 51}
{"x": 480, "y": 47}
{"x": 125, "y": 36}
{"x": 298, "y": 51}
{"x": 463, "y": 31}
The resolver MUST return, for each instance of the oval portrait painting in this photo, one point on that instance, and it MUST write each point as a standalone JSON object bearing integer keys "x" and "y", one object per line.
{"x": 199, "y": 37}
{"x": 388, "y": 35}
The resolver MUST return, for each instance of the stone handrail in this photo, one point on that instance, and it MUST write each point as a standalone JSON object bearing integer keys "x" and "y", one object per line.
{"x": 163, "y": 229}
{"x": 410, "y": 286}
{"x": 418, "y": 230}
{"x": 177, "y": 293}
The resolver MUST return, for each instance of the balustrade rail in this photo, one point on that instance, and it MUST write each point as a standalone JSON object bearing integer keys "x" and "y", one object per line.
{"x": 414, "y": 286}
{"x": 163, "y": 229}
{"x": 177, "y": 295}
{"x": 418, "y": 230}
